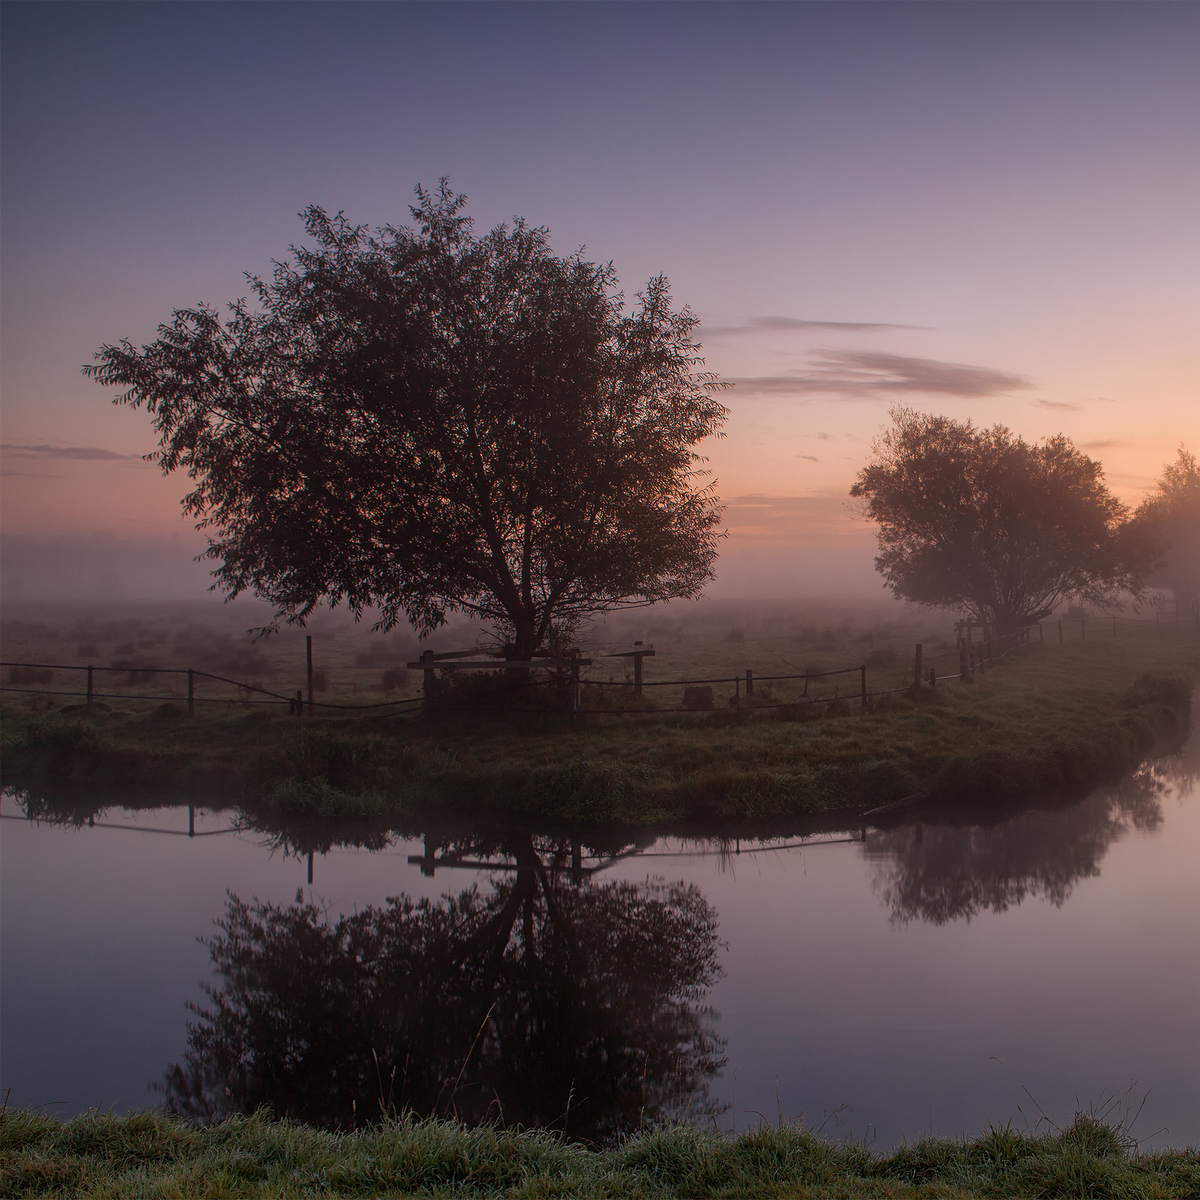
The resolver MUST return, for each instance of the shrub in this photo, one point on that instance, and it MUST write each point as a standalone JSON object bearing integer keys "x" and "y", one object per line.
{"x": 19, "y": 675}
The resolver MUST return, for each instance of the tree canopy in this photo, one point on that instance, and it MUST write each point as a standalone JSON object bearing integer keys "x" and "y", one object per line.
{"x": 427, "y": 421}
{"x": 1171, "y": 513}
{"x": 983, "y": 521}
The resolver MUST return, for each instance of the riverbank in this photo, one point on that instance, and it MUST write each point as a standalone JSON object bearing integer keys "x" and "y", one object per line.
{"x": 1050, "y": 717}
{"x": 147, "y": 1155}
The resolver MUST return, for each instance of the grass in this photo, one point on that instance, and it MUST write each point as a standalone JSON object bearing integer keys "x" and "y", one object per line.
{"x": 149, "y": 1155}
{"x": 1052, "y": 717}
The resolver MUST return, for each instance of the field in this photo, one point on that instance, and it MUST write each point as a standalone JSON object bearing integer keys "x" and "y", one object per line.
{"x": 1053, "y": 715}
{"x": 356, "y": 666}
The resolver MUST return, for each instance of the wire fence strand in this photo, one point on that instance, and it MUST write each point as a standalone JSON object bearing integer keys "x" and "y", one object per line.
{"x": 972, "y": 658}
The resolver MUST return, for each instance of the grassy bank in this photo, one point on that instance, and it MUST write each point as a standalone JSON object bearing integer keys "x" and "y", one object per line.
{"x": 146, "y": 1155}
{"x": 1053, "y": 716}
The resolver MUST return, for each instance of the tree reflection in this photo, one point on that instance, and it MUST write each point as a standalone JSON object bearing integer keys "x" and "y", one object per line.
{"x": 942, "y": 873}
{"x": 535, "y": 1003}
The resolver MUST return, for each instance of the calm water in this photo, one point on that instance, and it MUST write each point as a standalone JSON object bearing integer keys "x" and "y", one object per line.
{"x": 930, "y": 976}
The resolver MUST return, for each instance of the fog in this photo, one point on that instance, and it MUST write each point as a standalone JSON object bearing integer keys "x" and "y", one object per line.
{"x": 101, "y": 567}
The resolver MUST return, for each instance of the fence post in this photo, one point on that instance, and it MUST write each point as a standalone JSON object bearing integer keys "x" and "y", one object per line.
{"x": 982, "y": 658}
{"x": 916, "y": 687}
{"x": 637, "y": 675}
{"x": 749, "y": 683}
{"x": 191, "y": 821}
{"x": 89, "y": 690}
{"x": 191, "y": 693}
{"x": 299, "y": 703}
{"x": 575, "y": 685}
{"x": 427, "y": 682}
{"x": 308, "y": 642}
{"x": 863, "y": 669}
{"x": 964, "y": 663}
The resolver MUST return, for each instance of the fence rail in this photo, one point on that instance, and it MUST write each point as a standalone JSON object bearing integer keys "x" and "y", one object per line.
{"x": 968, "y": 658}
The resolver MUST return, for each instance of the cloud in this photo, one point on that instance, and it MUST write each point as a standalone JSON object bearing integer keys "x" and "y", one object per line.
{"x": 870, "y": 375}
{"x": 823, "y": 437}
{"x": 797, "y": 325}
{"x": 1102, "y": 444}
{"x": 810, "y": 457}
{"x": 91, "y": 453}
{"x": 1141, "y": 481}
{"x": 1057, "y": 405}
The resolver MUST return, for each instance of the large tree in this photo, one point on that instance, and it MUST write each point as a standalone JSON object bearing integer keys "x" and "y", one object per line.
{"x": 1172, "y": 514}
{"x": 983, "y": 521}
{"x": 427, "y": 421}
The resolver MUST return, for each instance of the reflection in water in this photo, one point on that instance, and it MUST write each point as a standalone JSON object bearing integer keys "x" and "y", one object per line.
{"x": 548, "y": 1001}
{"x": 942, "y": 873}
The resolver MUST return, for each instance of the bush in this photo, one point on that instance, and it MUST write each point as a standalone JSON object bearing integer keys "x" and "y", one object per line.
{"x": 1151, "y": 689}
{"x": 884, "y": 656}
{"x": 20, "y": 675}
{"x": 502, "y": 690}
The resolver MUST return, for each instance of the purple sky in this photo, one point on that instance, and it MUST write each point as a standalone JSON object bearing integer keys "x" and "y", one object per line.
{"x": 984, "y": 210}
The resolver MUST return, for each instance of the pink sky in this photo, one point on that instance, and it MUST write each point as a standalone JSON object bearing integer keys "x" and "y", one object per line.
{"x": 986, "y": 211}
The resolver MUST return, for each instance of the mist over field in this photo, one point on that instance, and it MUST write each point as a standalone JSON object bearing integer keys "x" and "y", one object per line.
{"x": 99, "y": 566}
{"x": 104, "y": 567}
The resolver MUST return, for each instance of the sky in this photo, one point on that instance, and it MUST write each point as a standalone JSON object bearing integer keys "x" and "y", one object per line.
{"x": 987, "y": 211}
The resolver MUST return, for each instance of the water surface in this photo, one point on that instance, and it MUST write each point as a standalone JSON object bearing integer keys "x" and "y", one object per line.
{"x": 925, "y": 975}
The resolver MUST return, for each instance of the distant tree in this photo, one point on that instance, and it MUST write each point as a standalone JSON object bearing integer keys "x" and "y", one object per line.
{"x": 427, "y": 422}
{"x": 1172, "y": 514}
{"x": 981, "y": 520}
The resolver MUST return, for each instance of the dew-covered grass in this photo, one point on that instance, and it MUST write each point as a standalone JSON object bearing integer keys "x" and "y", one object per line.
{"x": 150, "y": 1155}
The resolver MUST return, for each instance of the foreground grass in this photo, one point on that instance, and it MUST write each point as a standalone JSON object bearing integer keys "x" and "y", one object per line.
{"x": 1054, "y": 716}
{"x": 147, "y": 1155}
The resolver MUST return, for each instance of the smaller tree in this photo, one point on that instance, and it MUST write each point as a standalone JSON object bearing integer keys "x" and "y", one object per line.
{"x": 981, "y": 520}
{"x": 1171, "y": 514}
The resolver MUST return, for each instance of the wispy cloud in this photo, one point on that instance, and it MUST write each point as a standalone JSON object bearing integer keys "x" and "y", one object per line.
{"x": 86, "y": 453}
{"x": 810, "y": 457}
{"x": 811, "y": 518}
{"x": 1057, "y": 405}
{"x": 1102, "y": 444}
{"x": 803, "y": 504}
{"x": 870, "y": 375}
{"x": 799, "y": 325}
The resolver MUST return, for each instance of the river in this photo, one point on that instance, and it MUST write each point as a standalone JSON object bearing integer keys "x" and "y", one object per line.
{"x": 934, "y": 973}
